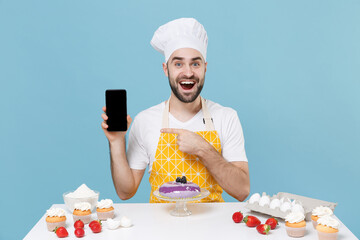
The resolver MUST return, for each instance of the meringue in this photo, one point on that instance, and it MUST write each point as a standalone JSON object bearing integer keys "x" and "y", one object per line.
{"x": 113, "y": 224}
{"x": 125, "y": 222}
{"x": 254, "y": 198}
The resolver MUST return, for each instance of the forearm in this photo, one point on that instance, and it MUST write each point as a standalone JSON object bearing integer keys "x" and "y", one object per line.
{"x": 122, "y": 175}
{"x": 233, "y": 179}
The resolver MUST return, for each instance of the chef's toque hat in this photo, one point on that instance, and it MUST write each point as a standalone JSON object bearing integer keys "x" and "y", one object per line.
{"x": 180, "y": 33}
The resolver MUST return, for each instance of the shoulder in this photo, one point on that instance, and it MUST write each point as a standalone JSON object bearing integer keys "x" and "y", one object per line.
{"x": 152, "y": 113}
{"x": 219, "y": 110}
{"x": 148, "y": 119}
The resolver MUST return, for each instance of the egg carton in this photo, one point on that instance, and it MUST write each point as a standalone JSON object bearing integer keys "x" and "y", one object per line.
{"x": 308, "y": 204}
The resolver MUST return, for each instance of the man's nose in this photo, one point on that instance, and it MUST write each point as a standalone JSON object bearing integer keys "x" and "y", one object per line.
{"x": 188, "y": 72}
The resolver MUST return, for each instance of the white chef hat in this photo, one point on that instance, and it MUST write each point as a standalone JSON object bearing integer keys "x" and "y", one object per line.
{"x": 180, "y": 33}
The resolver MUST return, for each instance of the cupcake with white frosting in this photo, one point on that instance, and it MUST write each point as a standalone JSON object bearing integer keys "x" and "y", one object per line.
{"x": 295, "y": 224}
{"x": 105, "y": 209}
{"x": 320, "y": 212}
{"x": 55, "y": 217}
{"x": 327, "y": 228}
{"x": 82, "y": 211}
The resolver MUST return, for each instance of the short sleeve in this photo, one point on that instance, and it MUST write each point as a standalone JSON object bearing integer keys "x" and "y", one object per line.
{"x": 136, "y": 154}
{"x": 233, "y": 145}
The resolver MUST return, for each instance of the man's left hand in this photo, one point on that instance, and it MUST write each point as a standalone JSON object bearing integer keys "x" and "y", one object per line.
{"x": 188, "y": 142}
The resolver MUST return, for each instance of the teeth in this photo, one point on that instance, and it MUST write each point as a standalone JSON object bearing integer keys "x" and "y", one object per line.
{"x": 187, "y": 83}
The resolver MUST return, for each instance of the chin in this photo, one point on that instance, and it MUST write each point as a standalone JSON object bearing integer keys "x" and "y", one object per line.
{"x": 187, "y": 99}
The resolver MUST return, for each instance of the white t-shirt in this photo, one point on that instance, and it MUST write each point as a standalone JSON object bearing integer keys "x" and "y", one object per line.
{"x": 145, "y": 132}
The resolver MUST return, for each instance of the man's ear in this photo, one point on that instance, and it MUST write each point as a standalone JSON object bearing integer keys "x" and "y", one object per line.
{"x": 205, "y": 66}
{"x": 164, "y": 65}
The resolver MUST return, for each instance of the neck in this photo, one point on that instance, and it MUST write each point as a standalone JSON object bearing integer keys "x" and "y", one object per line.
{"x": 184, "y": 111}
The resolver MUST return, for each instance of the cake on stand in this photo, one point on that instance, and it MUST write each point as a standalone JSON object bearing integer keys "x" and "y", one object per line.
{"x": 180, "y": 209}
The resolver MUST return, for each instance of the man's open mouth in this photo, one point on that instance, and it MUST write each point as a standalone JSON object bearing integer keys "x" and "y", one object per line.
{"x": 187, "y": 85}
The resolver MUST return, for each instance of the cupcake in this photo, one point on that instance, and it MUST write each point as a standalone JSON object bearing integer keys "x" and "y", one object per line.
{"x": 320, "y": 212}
{"x": 295, "y": 224}
{"x": 55, "y": 217}
{"x": 105, "y": 209}
{"x": 327, "y": 228}
{"x": 82, "y": 211}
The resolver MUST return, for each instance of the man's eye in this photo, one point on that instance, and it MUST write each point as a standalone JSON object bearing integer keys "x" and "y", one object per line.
{"x": 178, "y": 64}
{"x": 196, "y": 64}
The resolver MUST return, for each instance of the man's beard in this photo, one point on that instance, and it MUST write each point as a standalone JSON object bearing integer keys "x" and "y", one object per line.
{"x": 175, "y": 89}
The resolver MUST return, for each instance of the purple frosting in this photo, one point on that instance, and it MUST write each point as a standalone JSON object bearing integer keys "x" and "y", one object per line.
{"x": 179, "y": 190}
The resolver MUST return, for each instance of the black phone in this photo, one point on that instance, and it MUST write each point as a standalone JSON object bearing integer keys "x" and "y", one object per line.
{"x": 116, "y": 109}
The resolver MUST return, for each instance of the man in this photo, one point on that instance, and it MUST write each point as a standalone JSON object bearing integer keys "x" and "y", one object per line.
{"x": 185, "y": 135}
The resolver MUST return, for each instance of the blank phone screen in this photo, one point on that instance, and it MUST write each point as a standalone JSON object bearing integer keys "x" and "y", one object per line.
{"x": 116, "y": 109}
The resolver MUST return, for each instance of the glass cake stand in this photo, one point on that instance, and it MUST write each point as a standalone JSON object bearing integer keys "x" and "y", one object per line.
{"x": 180, "y": 209}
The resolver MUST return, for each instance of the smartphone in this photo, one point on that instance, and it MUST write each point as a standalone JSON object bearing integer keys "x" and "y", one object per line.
{"x": 116, "y": 109}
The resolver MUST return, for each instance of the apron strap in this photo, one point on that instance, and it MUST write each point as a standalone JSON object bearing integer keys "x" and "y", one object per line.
{"x": 165, "y": 118}
{"x": 209, "y": 125}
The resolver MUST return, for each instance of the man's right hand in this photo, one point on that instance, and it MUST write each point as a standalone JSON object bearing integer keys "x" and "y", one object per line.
{"x": 126, "y": 180}
{"x": 113, "y": 136}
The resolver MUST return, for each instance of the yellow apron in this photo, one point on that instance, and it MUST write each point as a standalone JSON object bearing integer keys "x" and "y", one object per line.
{"x": 170, "y": 162}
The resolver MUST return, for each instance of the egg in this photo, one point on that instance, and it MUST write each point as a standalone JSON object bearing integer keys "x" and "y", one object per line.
{"x": 264, "y": 200}
{"x": 254, "y": 198}
{"x": 285, "y": 206}
{"x": 298, "y": 208}
{"x": 293, "y": 203}
{"x": 275, "y": 203}
{"x": 284, "y": 199}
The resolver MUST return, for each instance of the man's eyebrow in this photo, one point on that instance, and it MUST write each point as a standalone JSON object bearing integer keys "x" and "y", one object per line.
{"x": 196, "y": 58}
{"x": 177, "y": 58}
{"x": 181, "y": 58}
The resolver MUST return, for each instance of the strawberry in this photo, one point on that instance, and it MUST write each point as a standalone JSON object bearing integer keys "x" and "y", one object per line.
{"x": 79, "y": 224}
{"x": 94, "y": 222}
{"x": 263, "y": 229}
{"x": 251, "y": 221}
{"x": 237, "y": 217}
{"x": 79, "y": 232}
{"x": 95, "y": 226}
{"x": 272, "y": 222}
{"x": 61, "y": 232}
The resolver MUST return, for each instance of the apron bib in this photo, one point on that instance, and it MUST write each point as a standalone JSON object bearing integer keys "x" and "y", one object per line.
{"x": 170, "y": 162}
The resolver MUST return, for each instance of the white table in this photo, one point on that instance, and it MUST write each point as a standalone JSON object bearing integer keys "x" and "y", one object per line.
{"x": 153, "y": 221}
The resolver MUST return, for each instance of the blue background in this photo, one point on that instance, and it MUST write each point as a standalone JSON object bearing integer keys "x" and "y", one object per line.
{"x": 289, "y": 68}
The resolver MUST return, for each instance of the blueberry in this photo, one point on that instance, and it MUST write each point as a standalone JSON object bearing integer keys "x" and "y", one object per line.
{"x": 178, "y": 179}
{"x": 183, "y": 179}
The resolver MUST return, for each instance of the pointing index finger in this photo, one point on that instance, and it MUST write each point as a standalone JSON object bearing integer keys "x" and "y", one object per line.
{"x": 170, "y": 130}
